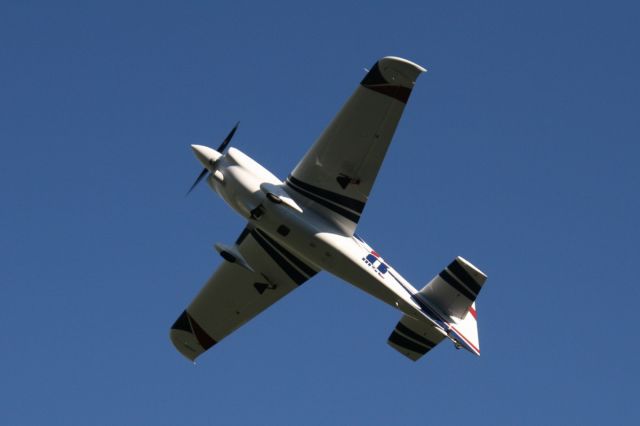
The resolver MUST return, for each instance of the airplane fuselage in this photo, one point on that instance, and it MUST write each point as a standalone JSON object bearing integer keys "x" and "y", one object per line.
{"x": 259, "y": 196}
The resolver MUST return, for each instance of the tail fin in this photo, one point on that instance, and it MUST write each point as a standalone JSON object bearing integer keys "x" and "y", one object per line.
{"x": 453, "y": 291}
{"x": 467, "y": 329}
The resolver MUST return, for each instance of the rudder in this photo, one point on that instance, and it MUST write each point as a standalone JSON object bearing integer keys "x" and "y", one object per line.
{"x": 467, "y": 329}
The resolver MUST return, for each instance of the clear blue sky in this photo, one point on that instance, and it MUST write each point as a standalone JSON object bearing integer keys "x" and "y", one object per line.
{"x": 519, "y": 150}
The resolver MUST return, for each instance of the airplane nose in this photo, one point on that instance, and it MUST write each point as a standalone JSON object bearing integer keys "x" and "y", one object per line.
{"x": 207, "y": 156}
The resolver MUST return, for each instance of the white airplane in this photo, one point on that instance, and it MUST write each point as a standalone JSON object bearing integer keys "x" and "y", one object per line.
{"x": 307, "y": 224}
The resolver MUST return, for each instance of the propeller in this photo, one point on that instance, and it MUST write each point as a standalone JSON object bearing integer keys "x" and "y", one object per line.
{"x": 201, "y": 176}
{"x": 220, "y": 149}
{"x": 226, "y": 140}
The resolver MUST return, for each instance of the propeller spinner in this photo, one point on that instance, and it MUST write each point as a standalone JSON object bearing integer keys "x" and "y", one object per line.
{"x": 208, "y": 156}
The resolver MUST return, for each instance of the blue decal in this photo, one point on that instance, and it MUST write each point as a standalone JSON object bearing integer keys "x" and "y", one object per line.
{"x": 373, "y": 259}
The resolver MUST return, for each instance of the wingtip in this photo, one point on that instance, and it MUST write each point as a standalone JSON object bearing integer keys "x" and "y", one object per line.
{"x": 412, "y": 64}
{"x": 186, "y": 344}
{"x": 188, "y": 337}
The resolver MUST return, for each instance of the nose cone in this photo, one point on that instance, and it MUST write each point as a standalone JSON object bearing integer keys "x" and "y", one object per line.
{"x": 207, "y": 156}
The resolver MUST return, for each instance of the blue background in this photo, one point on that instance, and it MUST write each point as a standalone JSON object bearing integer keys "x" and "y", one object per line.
{"x": 518, "y": 150}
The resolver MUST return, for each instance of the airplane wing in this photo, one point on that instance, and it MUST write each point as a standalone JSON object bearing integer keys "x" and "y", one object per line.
{"x": 238, "y": 291}
{"x": 336, "y": 175}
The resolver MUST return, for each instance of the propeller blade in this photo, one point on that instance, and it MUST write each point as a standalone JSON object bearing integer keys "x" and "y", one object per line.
{"x": 198, "y": 179}
{"x": 226, "y": 141}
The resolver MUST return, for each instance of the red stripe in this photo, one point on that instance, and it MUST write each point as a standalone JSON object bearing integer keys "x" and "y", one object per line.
{"x": 473, "y": 312}
{"x": 373, "y": 252}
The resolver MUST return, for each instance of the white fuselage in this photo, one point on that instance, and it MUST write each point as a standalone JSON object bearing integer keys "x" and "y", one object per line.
{"x": 244, "y": 185}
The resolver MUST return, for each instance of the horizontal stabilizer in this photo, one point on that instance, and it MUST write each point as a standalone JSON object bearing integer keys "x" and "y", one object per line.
{"x": 454, "y": 289}
{"x": 413, "y": 338}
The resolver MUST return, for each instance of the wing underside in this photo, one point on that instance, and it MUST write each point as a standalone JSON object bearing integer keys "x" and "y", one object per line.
{"x": 336, "y": 175}
{"x": 236, "y": 293}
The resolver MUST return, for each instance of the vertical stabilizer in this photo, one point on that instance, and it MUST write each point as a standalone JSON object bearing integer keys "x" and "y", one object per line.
{"x": 467, "y": 329}
{"x": 453, "y": 293}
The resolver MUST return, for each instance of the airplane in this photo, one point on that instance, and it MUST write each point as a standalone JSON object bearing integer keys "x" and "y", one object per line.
{"x": 306, "y": 224}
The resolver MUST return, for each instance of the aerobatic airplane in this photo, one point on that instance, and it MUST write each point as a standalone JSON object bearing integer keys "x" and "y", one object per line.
{"x": 307, "y": 224}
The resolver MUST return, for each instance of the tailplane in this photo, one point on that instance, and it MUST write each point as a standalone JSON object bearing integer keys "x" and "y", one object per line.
{"x": 454, "y": 289}
{"x": 450, "y": 298}
{"x": 453, "y": 292}
{"x": 413, "y": 338}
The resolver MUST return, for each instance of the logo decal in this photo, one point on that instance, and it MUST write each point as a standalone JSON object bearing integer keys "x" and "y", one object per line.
{"x": 374, "y": 260}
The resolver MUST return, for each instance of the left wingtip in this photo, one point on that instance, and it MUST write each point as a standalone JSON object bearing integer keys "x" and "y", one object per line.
{"x": 189, "y": 338}
{"x": 407, "y": 62}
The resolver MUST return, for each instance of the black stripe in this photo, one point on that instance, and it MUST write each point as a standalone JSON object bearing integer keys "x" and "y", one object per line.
{"x": 375, "y": 81}
{"x": 448, "y": 278}
{"x": 399, "y": 93}
{"x": 412, "y": 334}
{"x": 202, "y": 337}
{"x": 242, "y": 236}
{"x": 353, "y": 217}
{"x": 464, "y": 276}
{"x": 292, "y": 272}
{"x": 344, "y": 201}
{"x": 418, "y": 298}
{"x": 296, "y": 261}
{"x": 374, "y": 76}
{"x": 407, "y": 344}
{"x": 182, "y": 323}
